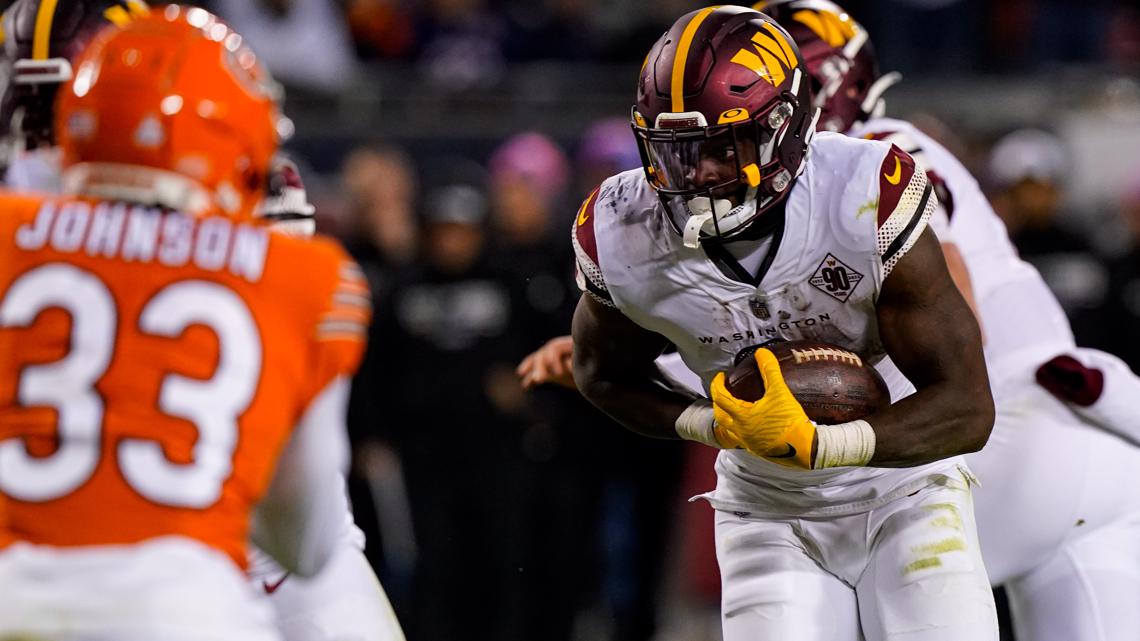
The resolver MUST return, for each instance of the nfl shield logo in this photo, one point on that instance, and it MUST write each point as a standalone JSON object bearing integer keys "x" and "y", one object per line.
{"x": 759, "y": 307}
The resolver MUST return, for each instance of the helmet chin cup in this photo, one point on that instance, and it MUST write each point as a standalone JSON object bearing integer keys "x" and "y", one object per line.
{"x": 719, "y": 220}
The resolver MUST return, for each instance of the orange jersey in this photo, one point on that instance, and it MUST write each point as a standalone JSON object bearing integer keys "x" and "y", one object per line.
{"x": 154, "y": 366}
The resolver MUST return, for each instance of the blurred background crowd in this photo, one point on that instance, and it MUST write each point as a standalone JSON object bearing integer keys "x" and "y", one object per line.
{"x": 448, "y": 143}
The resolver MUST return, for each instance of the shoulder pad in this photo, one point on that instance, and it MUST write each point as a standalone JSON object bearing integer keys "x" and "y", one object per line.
{"x": 907, "y": 143}
{"x": 588, "y": 272}
{"x": 906, "y": 200}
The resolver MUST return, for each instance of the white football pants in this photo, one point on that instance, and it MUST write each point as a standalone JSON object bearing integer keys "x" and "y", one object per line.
{"x": 910, "y": 570}
{"x": 1058, "y": 514}
{"x": 344, "y": 602}
{"x": 165, "y": 589}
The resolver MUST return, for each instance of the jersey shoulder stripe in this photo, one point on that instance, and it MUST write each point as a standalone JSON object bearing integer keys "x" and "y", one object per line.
{"x": 588, "y": 270}
{"x": 350, "y": 309}
{"x": 894, "y": 178}
{"x": 907, "y": 142}
{"x": 906, "y": 201}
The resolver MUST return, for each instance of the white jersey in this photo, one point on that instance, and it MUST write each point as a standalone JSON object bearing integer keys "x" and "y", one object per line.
{"x": 1023, "y": 324}
{"x": 857, "y": 208}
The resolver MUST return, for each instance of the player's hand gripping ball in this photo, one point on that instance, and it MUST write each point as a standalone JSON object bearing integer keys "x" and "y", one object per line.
{"x": 767, "y": 403}
{"x": 833, "y": 385}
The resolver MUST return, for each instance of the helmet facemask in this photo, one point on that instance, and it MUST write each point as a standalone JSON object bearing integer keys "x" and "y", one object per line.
{"x": 714, "y": 181}
{"x": 27, "y": 106}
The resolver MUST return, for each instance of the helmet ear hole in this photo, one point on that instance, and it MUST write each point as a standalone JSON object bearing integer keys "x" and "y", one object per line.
{"x": 255, "y": 180}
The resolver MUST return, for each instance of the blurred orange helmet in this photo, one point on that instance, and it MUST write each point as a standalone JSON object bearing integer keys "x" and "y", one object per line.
{"x": 172, "y": 110}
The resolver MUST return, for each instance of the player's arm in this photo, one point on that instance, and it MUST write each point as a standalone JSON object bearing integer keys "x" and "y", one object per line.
{"x": 940, "y": 224}
{"x": 940, "y": 217}
{"x": 613, "y": 357}
{"x": 301, "y": 519}
{"x": 960, "y": 274}
{"x": 932, "y": 336}
{"x": 613, "y": 362}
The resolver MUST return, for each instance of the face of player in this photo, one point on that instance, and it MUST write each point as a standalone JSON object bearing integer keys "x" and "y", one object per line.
{"x": 707, "y": 177}
{"x": 719, "y": 160}
{"x": 703, "y": 164}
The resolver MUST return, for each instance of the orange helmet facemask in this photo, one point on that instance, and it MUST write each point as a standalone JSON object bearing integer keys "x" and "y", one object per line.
{"x": 172, "y": 110}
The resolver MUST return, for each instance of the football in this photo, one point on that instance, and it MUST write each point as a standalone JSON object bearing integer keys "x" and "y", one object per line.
{"x": 834, "y": 385}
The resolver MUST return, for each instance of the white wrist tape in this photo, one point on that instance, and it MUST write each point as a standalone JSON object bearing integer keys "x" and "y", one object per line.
{"x": 696, "y": 423}
{"x": 844, "y": 444}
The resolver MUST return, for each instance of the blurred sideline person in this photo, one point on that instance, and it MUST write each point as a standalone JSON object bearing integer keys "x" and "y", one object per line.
{"x": 527, "y": 177}
{"x": 175, "y": 375}
{"x": 1058, "y": 516}
{"x": 345, "y": 602}
{"x": 1027, "y": 172}
{"x": 448, "y": 327}
{"x": 379, "y": 229}
{"x": 615, "y": 491}
{"x": 862, "y": 530}
{"x": 604, "y": 149}
{"x": 1124, "y": 293}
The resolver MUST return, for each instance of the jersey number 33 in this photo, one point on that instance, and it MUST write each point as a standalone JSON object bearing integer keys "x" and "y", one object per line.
{"x": 69, "y": 385}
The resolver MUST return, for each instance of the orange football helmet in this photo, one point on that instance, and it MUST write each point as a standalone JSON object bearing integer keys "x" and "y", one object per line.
{"x": 172, "y": 110}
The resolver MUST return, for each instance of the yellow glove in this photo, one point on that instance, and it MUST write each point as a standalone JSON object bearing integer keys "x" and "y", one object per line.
{"x": 774, "y": 427}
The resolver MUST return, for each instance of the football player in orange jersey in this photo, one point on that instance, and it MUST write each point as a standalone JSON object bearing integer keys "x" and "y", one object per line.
{"x": 42, "y": 38}
{"x": 174, "y": 375}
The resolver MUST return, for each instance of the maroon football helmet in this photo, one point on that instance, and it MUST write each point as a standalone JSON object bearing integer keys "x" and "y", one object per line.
{"x": 723, "y": 119}
{"x": 40, "y": 41}
{"x": 839, "y": 56}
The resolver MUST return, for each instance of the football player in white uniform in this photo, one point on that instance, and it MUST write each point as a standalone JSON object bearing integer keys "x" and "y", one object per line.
{"x": 1058, "y": 513}
{"x": 344, "y": 602}
{"x": 743, "y": 228}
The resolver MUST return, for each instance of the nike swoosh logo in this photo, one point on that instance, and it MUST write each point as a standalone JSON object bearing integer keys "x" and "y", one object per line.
{"x": 270, "y": 589}
{"x": 583, "y": 215}
{"x": 789, "y": 454}
{"x": 895, "y": 177}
